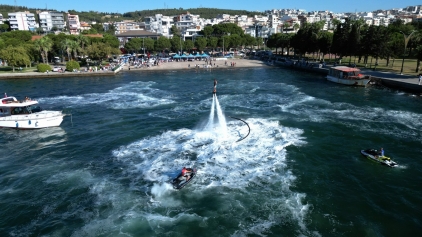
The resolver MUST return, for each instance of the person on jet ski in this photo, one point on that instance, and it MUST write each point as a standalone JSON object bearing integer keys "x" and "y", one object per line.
{"x": 186, "y": 172}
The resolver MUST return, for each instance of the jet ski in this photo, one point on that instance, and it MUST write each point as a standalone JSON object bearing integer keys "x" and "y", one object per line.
{"x": 374, "y": 155}
{"x": 181, "y": 181}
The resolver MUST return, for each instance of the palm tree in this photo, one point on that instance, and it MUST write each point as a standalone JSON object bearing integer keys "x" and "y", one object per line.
{"x": 47, "y": 45}
{"x": 66, "y": 47}
{"x": 38, "y": 47}
{"x": 43, "y": 45}
{"x": 74, "y": 47}
{"x": 82, "y": 41}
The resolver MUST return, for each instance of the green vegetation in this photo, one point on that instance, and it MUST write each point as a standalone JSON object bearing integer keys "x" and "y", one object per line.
{"x": 18, "y": 50}
{"x": 355, "y": 42}
{"x": 351, "y": 42}
{"x": 42, "y": 67}
{"x": 139, "y": 16}
{"x": 72, "y": 65}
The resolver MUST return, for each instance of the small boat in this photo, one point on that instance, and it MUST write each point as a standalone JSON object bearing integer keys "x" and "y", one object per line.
{"x": 348, "y": 76}
{"x": 27, "y": 114}
{"x": 374, "y": 155}
{"x": 181, "y": 181}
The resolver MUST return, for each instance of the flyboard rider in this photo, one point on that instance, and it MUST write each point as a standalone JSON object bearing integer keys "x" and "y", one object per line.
{"x": 215, "y": 87}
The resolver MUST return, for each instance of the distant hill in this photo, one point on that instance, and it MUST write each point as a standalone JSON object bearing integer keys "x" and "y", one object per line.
{"x": 139, "y": 16}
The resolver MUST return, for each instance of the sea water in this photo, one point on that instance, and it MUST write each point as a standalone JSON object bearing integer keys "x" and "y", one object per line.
{"x": 298, "y": 173}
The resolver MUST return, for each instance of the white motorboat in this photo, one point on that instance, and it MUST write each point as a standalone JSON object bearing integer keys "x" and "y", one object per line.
{"x": 27, "y": 114}
{"x": 347, "y": 76}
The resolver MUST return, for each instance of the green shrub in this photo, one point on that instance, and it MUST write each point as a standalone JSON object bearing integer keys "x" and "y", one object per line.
{"x": 71, "y": 65}
{"x": 42, "y": 67}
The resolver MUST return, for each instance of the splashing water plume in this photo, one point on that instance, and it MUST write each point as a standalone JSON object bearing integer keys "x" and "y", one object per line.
{"x": 221, "y": 126}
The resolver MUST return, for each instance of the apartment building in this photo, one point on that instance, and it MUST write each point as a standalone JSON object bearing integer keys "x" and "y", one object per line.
{"x": 159, "y": 24}
{"x": 124, "y": 26}
{"x": 1, "y": 19}
{"x": 22, "y": 21}
{"x": 74, "y": 24}
{"x": 51, "y": 20}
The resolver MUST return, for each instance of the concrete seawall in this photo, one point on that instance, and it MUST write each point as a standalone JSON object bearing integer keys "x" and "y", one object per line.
{"x": 406, "y": 83}
{"x": 26, "y": 75}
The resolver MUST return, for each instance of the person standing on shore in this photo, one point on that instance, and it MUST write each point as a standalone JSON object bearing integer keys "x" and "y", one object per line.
{"x": 420, "y": 79}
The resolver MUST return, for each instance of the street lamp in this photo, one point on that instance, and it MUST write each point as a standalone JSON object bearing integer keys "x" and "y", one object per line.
{"x": 180, "y": 46}
{"x": 143, "y": 45}
{"x": 406, "y": 40}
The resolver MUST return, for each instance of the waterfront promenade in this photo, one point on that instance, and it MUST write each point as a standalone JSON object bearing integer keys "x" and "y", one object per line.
{"x": 396, "y": 81}
{"x": 188, "y": 65}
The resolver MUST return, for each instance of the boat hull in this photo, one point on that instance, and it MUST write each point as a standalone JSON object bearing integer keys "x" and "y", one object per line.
{"x": 349, "y": 82}
{"x": 39, "y": 120}
{"x": 384, "y": 160}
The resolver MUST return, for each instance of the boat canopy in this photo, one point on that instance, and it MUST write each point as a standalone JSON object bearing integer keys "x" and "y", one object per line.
{"x": 346, "y": 69}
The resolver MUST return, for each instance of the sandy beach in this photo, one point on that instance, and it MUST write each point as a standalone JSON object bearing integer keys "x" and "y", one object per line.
{"x": 199, "y": 65}
{"x": 217, "y": 64}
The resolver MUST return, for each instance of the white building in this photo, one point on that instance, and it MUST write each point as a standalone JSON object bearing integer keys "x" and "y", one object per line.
{"x": 22, "y": 21}
{"x": 124, "y": 26}
{"x": 50, "y": 20}
{"x": 74, "y": 24}
{"x": 1, "y": 19}
{"x": 159, "y": 24}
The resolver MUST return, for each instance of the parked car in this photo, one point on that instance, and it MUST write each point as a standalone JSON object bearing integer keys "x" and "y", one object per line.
{"x": 57, "y": 69}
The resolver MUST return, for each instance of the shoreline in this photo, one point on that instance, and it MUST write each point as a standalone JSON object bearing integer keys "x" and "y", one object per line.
{"x": 186, "y": 65}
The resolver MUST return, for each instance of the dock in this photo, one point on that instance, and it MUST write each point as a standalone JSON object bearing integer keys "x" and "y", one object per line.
{"x": 407, "y": 83}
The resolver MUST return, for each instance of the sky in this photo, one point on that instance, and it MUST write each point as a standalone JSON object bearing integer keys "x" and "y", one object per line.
{"x": 337, "y": 6}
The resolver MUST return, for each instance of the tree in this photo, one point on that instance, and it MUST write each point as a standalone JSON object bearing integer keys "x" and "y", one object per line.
{"x": 16, "y": 38}
{"x": 100, "y": 51}
{"x": 66, "y": 46}
{"x": 2, "y": 44}
{"x": 162, "y": 43}
{"x": 201, "y": 43}
{"x": 98, "y": 28}
{"x": 176, "y": 43}
{"x": 249, "y": 40}
{"x": 236, "y": 41}
{"x": 82, "y": 41}
{"x": 213, "y": 42}
{"x": 134, "y": 45}
{"x": 207, "y": 31}
{"x": 149, "y": 44}
{"x": 175, "y": 31}
{"x": 111, "y": 29}
{"x": 4, "y": 27}
{"x": 39, "y": 47}
{"x": 43, "y": 45}
{"x": 188, "y": 45}
{"x": 15, "y": 56}
{"x": 75, "y": 48}
{"x": 111, "y": 40}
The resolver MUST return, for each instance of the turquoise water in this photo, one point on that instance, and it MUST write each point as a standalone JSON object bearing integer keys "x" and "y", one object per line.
{"x": 103, "y": 172}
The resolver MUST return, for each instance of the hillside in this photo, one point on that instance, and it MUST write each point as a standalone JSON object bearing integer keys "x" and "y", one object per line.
{"x": 136, "y": 15}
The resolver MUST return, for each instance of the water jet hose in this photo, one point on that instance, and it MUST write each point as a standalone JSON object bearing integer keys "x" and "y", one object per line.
{"x": 246, "y": 125}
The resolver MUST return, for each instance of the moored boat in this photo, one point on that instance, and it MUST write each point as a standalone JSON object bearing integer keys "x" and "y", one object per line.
{"x": 376, "y": 156}
{"x": 27, "y": 114}
{"x": 348, "y": 76}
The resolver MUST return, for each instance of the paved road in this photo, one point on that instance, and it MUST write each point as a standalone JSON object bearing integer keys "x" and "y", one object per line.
{"x": 391, "y": 76}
